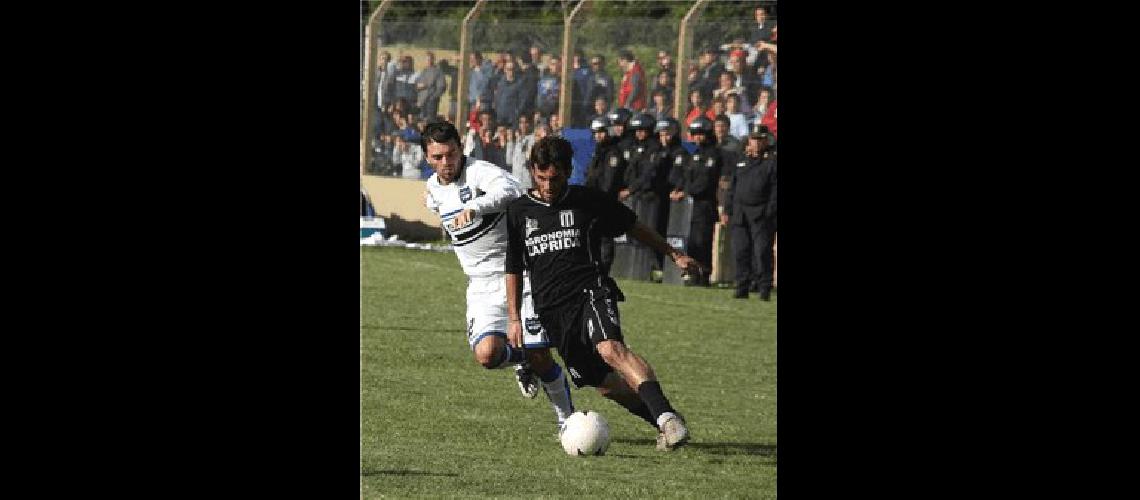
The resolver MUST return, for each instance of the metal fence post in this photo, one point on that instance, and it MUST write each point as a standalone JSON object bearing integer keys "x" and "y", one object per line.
{"x": 461, "y": 87}
{"x": 370, "y": 83}
{"x": 565, "y": 95}
{"x": 684, "y": 52}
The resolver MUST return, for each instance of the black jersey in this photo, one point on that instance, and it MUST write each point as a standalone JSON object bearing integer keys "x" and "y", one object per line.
{"x": 560, "y": 242}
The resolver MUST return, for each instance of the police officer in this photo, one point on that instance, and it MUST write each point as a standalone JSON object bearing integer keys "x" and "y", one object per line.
{"x": 637, "y": 156}
{"x": 750, "y": 212}
{"x": 606, "y": 172}
{"x": 700, "y": 177}
{"x": 661, "y": 170}
{"x": 619, "y": 128}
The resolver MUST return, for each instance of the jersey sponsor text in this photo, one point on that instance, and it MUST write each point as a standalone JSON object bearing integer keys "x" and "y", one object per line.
{"x": 558, "y": 240}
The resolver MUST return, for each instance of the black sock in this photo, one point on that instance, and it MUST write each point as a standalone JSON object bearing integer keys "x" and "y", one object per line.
{"x": 650, "y": 392}
{"x": 640, "y": 410}
{"x": 515, "y": 355}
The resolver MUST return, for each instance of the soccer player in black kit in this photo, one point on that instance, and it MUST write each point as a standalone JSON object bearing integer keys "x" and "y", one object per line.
{"x": 553, "y": 231}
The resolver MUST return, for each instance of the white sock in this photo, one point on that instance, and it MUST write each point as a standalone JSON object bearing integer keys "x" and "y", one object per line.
{"x": 663, "y": 417}
{"x": 558, "y": 392}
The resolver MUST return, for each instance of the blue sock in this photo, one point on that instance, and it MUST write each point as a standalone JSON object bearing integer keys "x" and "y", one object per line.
{"x": 509, "y": 356}
{"x": 514, "y": 356}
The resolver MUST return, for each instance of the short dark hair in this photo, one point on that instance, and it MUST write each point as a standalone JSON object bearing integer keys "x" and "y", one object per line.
{"x": 552, "y": 150}
{"x": 439, "y": 131}
{"x": 625, "y": 55}
{"x": 722, "y": 118}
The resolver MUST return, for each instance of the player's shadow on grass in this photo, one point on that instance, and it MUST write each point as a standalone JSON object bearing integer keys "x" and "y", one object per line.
{"x": 759, "y": 449}
{"x": 402, "y": 472}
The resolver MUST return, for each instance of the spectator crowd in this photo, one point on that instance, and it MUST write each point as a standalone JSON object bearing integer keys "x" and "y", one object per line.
{"x": 512, "y": 97}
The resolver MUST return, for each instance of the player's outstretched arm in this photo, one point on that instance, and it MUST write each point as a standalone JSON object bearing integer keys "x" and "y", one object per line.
{"x": 498, "y": 188}
{"x": 514, "y": 302}
{"x": 648, "y": 236}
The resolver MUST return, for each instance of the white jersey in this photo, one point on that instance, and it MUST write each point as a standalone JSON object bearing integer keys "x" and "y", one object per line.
{"x": 483, "y": 187}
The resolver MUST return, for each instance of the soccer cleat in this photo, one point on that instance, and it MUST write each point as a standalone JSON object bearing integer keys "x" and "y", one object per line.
{"x": 673, "y": 434}
{"x": 766, "y": 295}
{"x": 740, "y": 294}
{"x": 528, "y": 383}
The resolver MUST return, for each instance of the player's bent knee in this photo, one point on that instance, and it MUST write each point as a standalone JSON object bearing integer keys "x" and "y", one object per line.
{"x": 487, "y": 352}
{"x": 612, "y": 351}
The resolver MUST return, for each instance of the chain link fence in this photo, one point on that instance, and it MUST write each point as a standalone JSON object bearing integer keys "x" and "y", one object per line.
{"x": 518, "y": 42}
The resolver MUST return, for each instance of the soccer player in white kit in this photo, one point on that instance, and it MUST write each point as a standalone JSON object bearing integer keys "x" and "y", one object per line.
{"x": 470, "y": 197}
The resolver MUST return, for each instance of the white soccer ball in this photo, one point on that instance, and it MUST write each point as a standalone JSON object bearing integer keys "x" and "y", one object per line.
{"x": 586, "y": 433}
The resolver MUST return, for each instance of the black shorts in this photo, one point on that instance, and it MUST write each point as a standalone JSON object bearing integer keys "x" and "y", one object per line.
{"x": 577, "y": 327}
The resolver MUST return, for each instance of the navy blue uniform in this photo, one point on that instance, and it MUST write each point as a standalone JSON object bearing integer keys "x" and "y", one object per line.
{"x": 751, "y": 206}
{"x": 700, "y": 178}
{"x": 606, "y": 173}
{"x": 655, "y": 179}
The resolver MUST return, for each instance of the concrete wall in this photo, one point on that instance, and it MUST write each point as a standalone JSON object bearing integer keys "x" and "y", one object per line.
{"x": 401, "y": 203}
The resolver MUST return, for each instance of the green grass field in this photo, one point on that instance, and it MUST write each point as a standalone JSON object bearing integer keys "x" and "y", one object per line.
{"x": 436, "y": 424}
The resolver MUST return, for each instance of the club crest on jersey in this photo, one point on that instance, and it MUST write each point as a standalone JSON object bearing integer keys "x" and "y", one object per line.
{"x": 625, "y": 154}
{"x": 678, "y": 161}
{"x": 640, "y": 150}
{"x": 613, "y": 161}
{"x": 567, "y": 218}
{"x": 741, "y": 164}
{"x": 464, "y": 194}
{"x": 533, "y": 326}
{"x": 697, "y": 158}
{"x": 531, "y": 226}
{"x": 710, "y": 163}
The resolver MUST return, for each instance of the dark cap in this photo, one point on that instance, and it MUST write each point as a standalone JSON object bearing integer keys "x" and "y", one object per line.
{"x": 701, "y": 125}
{"x": 643, "y": 121}
{"x": 598, "y": 124}
{"x": 758, "y": 131}
{"x": 619, "y": 116}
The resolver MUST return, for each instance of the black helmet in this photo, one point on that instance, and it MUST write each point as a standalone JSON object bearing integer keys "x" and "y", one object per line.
{"x": 598, "y": 124}
{"x": 701, "y": 125}
{"x": 667, "y": 124}
{"x": 758, "y": 131}
{"x": 619, "y": 116}
{"x": 642, "y": 122}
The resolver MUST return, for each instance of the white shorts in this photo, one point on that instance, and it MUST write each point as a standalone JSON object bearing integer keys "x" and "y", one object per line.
{"x": 487, "y": 311}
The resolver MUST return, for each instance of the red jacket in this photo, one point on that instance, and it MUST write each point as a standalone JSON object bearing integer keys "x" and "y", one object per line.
{"x": 769, "y": 118}
{"x": 627, "y": 88}
{"x": 473, "y": 119}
